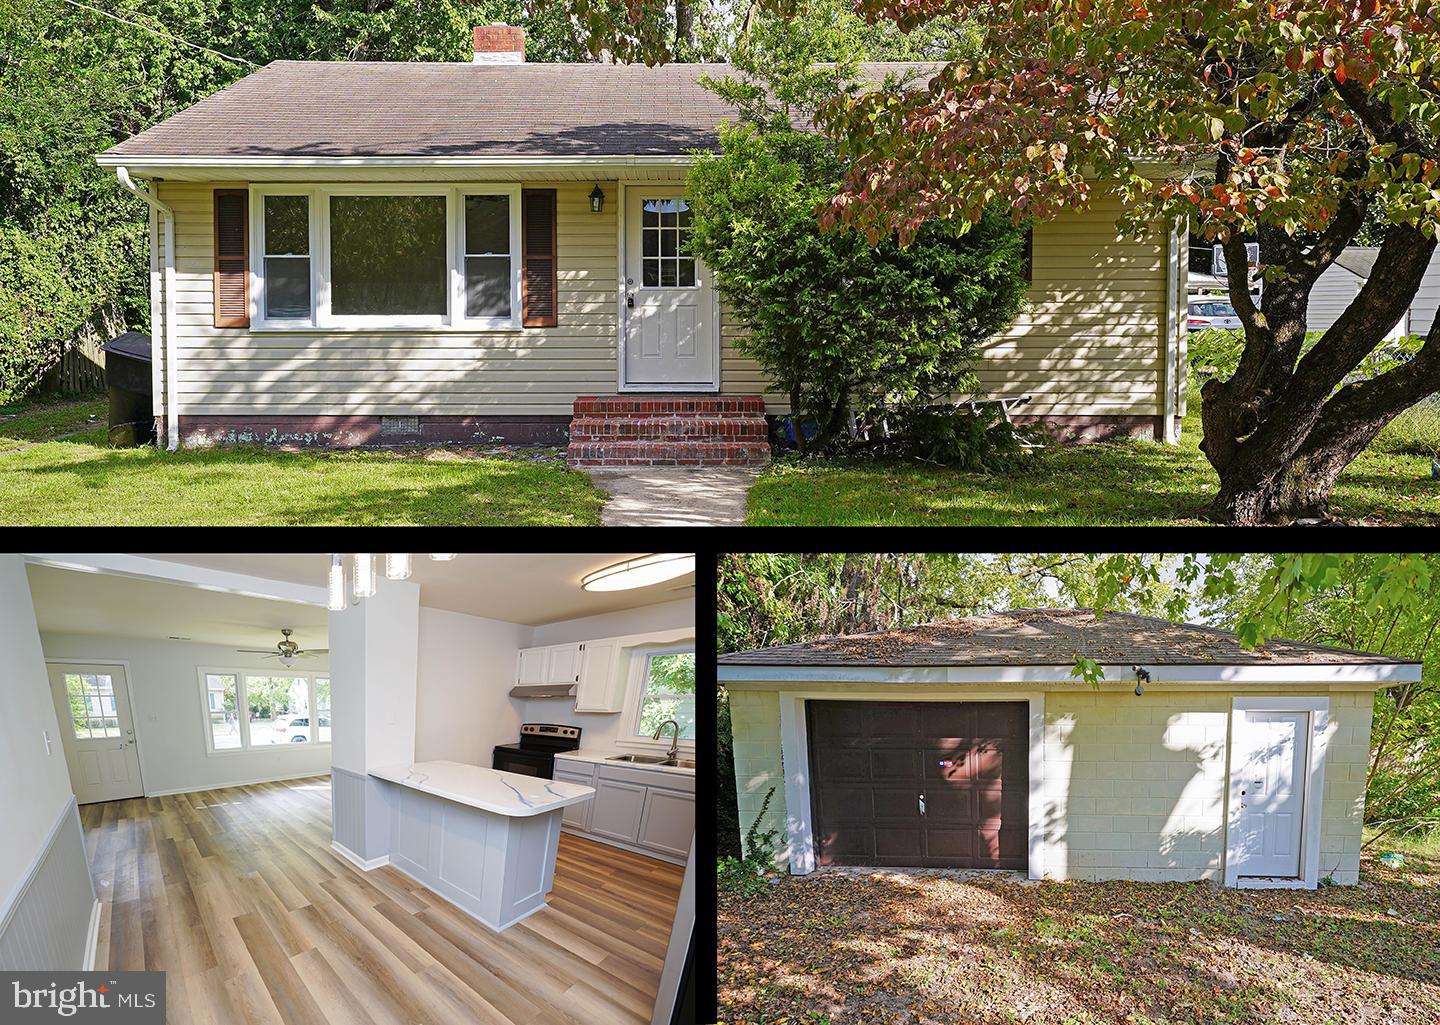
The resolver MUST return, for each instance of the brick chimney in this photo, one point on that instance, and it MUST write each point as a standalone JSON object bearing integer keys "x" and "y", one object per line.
{"x": 499, "y": 44}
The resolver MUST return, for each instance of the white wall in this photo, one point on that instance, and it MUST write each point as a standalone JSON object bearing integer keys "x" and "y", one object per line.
{"x": 466, "y": 669}
{"x": 169, "y": 716}
{"x": 600, "y": 730}
{"x": 37, "y": 785}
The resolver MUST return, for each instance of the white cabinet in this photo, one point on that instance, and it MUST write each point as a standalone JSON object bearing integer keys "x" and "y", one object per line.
{"x": 602, "y": 686}
{"x": 668, "y": 822}
{"x": 577, "y": 816}
{"x": 562, "y": 663}
{"x": 617, "y": 808}
{"x": 531, "y": 670}
{"x": 649, "y": 811}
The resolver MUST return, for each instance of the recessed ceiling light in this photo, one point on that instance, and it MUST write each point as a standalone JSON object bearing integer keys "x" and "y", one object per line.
{"x": 640, "y": 572}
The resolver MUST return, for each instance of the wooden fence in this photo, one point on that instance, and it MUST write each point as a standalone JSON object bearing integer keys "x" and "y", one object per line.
{"x": 81, "y": 370}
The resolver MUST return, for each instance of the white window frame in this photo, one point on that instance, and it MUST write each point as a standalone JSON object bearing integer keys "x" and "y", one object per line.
{"x": 1311, "y": 823}
{"x": 242, "y": 707}
{"x": 321, "y": 317}
{"x": 257, "y": 262}
{"x": 635, "y": 688}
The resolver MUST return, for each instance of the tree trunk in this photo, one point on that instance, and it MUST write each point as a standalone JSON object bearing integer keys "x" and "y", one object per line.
{"x": 684, "y": 30}
{"x": 795, "y": 422}
{"x": 1278, "y": 432}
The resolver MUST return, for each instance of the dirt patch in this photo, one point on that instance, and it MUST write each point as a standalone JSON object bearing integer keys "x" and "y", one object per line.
{"x": 924, "y": 948}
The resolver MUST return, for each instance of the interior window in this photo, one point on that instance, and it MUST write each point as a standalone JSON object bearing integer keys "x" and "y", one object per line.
{"x": 287, "y": 257}
{"x": 387, "y": 256}
{"x": 664, "y": 241}
{"x": 487, "y": 256}
{"x": 221, "y": 692}
{"x": 322, "y": 710}
{"x": 669, "y": 694}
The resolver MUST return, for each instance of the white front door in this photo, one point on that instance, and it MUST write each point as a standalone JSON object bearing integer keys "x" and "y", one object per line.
{"x": 671, "y": 340}
{"x": 93, "y": 703}
{"x": 1268, "y": 778}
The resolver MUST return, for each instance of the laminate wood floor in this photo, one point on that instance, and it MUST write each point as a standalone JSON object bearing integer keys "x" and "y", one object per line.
{"x": 237, "y": 896}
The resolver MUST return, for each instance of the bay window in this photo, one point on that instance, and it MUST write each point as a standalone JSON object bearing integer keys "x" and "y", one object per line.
{"x": 386, "y": 258}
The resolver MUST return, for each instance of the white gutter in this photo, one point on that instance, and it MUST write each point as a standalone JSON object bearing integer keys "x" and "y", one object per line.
{"x": 172, "y": 414}
{"x": 1170, "y": 433}
{"x": 148, "y": 160}
{"x": 769, "y": 677}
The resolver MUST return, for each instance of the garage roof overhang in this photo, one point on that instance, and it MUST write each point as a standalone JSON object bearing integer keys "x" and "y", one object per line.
{"x": 761, "y": 677}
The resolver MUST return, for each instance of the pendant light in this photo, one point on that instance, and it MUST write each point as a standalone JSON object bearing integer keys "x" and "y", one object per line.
{"x": 397, "y": 567}
{"x": 364, "y": 576}
{"x": 337, "y": 584}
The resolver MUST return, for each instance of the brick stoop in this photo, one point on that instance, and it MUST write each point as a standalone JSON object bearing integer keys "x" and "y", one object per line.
{"x": 669, "y": 430}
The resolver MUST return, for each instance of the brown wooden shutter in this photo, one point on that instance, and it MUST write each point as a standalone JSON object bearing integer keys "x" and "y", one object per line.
{"x": 232, "y": 258}
{"x": 538, "y": 255}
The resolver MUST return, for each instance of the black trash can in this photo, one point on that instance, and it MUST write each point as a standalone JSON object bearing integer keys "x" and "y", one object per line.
{"x": 127, "y": 376}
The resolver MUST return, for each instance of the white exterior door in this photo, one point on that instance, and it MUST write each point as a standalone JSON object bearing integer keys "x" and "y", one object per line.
{"x": 1268, "y": 780}
{"x": 93, "y": 705}
{"x": 671, "y": 338}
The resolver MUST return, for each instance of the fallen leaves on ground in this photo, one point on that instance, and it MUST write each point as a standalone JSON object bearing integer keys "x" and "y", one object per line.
{"x": 924, "y": 948}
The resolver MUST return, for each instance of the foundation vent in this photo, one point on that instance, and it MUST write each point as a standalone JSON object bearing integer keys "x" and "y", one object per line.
{"x": 399, "y": 426}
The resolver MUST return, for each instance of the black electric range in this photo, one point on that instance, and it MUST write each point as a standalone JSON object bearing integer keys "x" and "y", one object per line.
{"x": 535, "y": 754}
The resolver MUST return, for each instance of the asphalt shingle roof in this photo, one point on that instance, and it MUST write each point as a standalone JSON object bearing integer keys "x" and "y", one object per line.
{"x": 1020, "y": 637}
{"x": 352, "y": 109}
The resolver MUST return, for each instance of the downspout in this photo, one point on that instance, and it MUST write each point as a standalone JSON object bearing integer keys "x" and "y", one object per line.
{"x": 1169, "y": 432}
{"x": 167, "y": 216}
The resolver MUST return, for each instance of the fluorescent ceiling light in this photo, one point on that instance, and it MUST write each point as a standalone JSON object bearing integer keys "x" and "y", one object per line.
{"x": 640, "y": 572}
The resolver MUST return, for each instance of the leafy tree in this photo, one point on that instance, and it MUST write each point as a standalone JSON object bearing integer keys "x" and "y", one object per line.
{"x": 834, "y": 320}
{"x": 1293, "y": 122}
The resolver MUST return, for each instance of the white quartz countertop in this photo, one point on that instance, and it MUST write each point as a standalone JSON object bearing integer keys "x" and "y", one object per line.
{"x": 603, "y": 757}
{"x": 504, "y": 793}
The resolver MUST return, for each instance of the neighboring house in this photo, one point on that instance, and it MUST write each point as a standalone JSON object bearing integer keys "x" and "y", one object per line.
{"x": 970, "y": 744}
{"x": 348, "y": 253}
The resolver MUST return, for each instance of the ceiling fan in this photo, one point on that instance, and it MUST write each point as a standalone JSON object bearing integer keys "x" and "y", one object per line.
{"x": 286, "y": 650}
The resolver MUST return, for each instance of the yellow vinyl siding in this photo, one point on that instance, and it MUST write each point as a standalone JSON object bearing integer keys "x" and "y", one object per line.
{"x": 1092, "y": 342}
{"x": 533, "y": 371}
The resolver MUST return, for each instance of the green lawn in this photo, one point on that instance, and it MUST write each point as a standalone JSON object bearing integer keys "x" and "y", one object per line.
{"x": 1126, "y": 483}
{"x": 23, "y": 424}
{"x": 80, "y": 481}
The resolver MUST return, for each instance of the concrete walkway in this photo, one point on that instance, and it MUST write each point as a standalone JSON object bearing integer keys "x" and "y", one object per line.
{"x": 674, "y": 496}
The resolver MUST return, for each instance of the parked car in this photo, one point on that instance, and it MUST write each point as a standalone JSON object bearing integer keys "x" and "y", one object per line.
{"x": 300, "y": 724}
{"x": 1207, "y": 313}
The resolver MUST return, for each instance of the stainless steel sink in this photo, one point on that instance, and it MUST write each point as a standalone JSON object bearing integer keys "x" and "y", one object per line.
{"x": 683, "y": 763}
{"x": 639, "y": 759}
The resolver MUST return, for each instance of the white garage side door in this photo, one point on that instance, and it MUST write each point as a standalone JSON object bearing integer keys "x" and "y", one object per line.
{"x": 93, "y": 706}
{"x": 1270, "y": 758}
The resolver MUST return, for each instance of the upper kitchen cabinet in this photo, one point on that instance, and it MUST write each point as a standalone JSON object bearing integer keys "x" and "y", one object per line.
{"x": 531, "y": 669}
{"x": 602, "y": 684}
{"x": 562, "y": 663}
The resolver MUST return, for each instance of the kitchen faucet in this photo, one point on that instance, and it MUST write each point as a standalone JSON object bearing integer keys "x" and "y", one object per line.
{"x": 674, "y": 755}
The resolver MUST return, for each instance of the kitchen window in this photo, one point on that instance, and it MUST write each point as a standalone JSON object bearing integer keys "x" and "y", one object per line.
{"x": 662, "y": 687}
{"x": 250, "y": 710}
{"x": 386, "y": 258}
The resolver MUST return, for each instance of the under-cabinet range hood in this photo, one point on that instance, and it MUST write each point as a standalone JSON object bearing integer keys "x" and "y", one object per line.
{"x": 544, "y": 690}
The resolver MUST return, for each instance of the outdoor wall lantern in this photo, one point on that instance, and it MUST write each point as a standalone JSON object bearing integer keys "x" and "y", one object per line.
{"x": 597, "y": 200}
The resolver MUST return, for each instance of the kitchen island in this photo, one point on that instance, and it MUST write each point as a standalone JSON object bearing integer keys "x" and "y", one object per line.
{"x": 483, "y": 839}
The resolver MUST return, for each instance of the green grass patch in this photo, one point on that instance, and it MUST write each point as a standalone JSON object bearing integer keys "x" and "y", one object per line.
{"x": 31, "y": 422}
{"x": 1127, "y": 483}
{"x": 79, "y": 481}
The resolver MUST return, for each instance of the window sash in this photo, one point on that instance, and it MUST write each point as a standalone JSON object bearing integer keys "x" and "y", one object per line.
{"x": 242, "y": 679}
{"x": 631, "y": 733}
{"x": 322, "y": 319}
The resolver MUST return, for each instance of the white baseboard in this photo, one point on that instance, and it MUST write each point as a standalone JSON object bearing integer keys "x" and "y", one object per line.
{"x": 236, "y": 783}
{"x": 356, "y": 860}
{"x": 92, "y": 939}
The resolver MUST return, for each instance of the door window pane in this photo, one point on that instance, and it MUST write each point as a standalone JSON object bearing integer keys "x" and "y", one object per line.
{"x": 220, "y": 690}
{"x": 287, "y": 259}
{"x": 387, "y": 256}
{"x": 92, "y": 705}
{"x": 664, "y": 241}
{"x": 669, "y": 694}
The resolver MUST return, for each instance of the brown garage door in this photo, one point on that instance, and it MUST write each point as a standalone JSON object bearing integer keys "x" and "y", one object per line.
{"x": 920, "y": 783}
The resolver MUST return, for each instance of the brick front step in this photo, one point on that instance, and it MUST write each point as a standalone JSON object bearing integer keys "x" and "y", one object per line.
{"x": 669, "y": 405}
{"x": 669, "y": 430}
{"x": 668, "y": 453}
